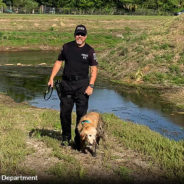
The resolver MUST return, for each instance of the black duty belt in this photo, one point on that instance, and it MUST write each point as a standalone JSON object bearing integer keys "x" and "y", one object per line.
{"x": 73, "y": 78}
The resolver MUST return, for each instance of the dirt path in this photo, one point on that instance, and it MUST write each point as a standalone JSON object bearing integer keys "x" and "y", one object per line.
{"x": 40, "y": 160}
{"x": 105, "y": 167}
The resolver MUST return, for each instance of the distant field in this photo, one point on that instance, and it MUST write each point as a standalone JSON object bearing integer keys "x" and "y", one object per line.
{"x": 37, "y": 31}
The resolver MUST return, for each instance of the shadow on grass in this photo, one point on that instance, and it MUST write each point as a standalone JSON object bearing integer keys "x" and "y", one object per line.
{"x": 50, "y": 133}
{"x": 45, "y": 132}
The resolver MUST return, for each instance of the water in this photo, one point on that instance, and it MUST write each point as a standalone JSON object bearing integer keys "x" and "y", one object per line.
{"x": 28, "y": 84}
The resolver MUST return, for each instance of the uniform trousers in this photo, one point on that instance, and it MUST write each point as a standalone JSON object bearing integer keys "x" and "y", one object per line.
{"x": 72, "y": 92}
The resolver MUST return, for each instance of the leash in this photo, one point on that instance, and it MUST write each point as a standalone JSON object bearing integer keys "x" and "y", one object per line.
{"x": 49, "y": 90}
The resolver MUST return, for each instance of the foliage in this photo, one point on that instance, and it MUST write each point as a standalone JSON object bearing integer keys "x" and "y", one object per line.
{"x": 28, "y": 4}
{"x": 2, "y": 4}
{"x": 127, "y": 5}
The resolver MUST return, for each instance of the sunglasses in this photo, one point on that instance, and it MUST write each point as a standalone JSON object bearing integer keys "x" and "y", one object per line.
{"x": 81, "y": 34}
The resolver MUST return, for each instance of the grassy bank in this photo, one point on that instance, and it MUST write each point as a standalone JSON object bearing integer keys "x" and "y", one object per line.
{"x": 132, "y": 153}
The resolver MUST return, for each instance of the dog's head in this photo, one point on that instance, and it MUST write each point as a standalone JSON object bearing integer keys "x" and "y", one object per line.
{"x": 88, "y": 136}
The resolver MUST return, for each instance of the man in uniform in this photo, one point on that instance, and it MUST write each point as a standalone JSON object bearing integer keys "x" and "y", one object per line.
{"x": 76, "y": 85}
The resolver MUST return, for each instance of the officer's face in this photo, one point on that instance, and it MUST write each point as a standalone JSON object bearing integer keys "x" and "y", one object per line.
{"x": 80, "y": 39}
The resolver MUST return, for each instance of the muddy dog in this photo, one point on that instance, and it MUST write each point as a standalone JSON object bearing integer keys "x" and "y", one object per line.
{"x": 91, "y": 130}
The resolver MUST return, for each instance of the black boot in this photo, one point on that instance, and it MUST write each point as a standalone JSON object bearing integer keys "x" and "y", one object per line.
{"x": 66, "y": 141}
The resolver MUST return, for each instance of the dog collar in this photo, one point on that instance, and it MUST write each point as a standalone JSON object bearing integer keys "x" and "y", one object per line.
{"x": 85, "y": 121}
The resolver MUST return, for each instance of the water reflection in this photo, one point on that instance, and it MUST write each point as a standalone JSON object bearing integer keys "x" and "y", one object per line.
{"x": 151, "y": 100}
{"x": 28, "y": 57}
{"x": 22, "y": 83}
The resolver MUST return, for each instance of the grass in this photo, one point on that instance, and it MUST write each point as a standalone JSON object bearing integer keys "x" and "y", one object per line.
{"x": 125, "y": 173}
{"x": 167, "y": 153}
{"x": 44, "y": 126}
{"x": 66, "y": 174}
{"x": 12, "y": 143}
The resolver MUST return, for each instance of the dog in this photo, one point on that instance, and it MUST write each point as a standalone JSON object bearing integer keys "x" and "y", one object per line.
{"x": 91, "y": 130}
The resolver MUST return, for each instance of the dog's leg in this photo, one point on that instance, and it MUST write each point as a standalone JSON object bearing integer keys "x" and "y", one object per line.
{"x": 84, "y": 151}
{"x": 94, "y": 150}
{"x": 98, "y": 139}
{"x": 83, "y": 148}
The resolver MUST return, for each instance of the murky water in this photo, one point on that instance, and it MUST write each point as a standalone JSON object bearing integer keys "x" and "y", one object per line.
{"x": 27, "y": 83}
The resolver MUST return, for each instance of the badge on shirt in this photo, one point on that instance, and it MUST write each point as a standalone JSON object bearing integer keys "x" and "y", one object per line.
{"x": 84, "y": 56}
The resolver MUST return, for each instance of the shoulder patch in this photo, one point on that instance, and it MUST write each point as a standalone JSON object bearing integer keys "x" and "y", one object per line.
{"x": 94, "y": 56}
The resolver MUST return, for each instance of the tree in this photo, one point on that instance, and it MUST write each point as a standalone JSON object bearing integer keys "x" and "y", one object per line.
{"x": 86, "y": 4}
{"x": 2, "y": 4}
{"x": 128, "y": 5}
{"x": 17, "y": 3}
{"x": 25, "y": 3}
{"x": 30, "y": 4}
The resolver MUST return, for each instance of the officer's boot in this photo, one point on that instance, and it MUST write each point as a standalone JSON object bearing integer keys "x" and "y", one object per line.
{"x": 66, "y": 140}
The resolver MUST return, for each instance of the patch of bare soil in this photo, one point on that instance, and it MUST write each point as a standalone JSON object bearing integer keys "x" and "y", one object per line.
{"x": 4, "y": 99}
{"x": 40, "y": 161}
{"x": 111, "y": 156}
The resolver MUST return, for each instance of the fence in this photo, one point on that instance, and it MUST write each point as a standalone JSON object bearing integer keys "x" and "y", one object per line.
{"x": 75, "y": 11}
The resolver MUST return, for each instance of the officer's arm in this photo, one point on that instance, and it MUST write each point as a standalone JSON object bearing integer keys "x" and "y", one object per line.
{"x": 93, "y": 71}
{"x": 55, "y": 70}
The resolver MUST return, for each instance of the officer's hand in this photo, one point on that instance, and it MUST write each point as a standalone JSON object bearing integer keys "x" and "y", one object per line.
{"x": 89, "y": 91}
{"x": 51, "y": 82}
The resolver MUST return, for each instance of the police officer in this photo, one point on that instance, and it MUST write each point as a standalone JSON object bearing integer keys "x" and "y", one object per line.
{"x": 76, "y": 85}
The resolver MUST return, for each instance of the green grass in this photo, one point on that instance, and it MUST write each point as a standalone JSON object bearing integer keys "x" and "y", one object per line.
{"x": 167, "y": 153}
{"x": 125, "y": 173}
{"x": 67, "y": 173}
{"x": 13, "y": 147}
{"x": 21, "y": 38}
